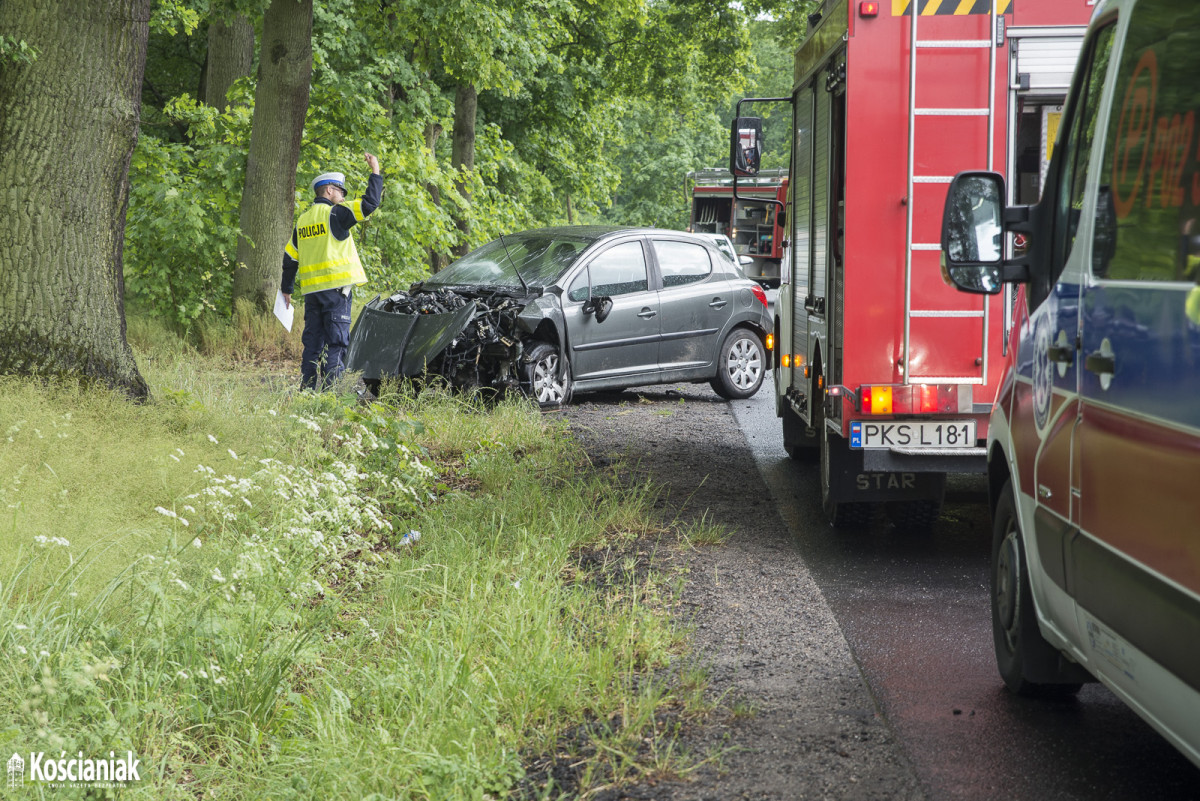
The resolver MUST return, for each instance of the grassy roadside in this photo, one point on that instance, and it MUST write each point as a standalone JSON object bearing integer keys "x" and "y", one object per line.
{"x": 220, "y": 581}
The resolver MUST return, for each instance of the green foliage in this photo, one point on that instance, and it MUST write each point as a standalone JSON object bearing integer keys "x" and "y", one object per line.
{"x": 181, "y": 230}
{"x": 587, "y": 112}
{"x": 16, "y": 51}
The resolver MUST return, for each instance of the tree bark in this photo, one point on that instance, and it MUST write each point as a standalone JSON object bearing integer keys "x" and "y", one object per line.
{"x": 433, "y": 132}
{"x": 462, "y": 156}
{"x": 269, "y": 196}
{"x": 230, "y": 56}
{"x": 68, "y": 126}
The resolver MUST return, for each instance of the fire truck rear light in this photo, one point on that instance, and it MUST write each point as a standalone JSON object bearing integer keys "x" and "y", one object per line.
{"x": 868, "y": 8}
{"x": 760, "y": 294}
{"x": 877, "y": 400}
{"x": 917, "y": 399}
{"x": 786, "y": 360}
{"x": 770, "y": 342}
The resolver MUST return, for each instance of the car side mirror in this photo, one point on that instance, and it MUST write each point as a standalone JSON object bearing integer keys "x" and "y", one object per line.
{"x": 600, "y": 305}
{"x": 744, "y": 259}
{"x": 973, "y": 231}
{"x": 745, "y": 146}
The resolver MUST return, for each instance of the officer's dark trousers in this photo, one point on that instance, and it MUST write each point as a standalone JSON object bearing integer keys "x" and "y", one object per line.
{"x": 326, "y": 336}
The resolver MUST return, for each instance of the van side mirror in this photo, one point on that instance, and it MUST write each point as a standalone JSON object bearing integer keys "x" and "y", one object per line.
{"x": 745, "y": 146}
{"x": 973, "y": 231}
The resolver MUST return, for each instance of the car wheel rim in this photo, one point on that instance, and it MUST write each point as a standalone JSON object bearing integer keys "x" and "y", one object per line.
{"x": 547, "y": 387}
{"x": 743, "y": 363}
{"x": 1008, "y": 585}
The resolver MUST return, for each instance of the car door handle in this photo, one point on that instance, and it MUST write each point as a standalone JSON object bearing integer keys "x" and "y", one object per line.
{"x": 1060, "y": 354}
{"x": 646, "y": 314}
{"x": 718, "y": 303}
{"x": 1100, "y": 364}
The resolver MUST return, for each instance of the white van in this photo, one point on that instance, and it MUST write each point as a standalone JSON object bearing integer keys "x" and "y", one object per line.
{"x": 1094, "y": 442}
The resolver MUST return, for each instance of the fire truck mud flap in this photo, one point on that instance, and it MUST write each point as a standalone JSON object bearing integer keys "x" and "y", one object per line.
{"x": 851, "y": 482}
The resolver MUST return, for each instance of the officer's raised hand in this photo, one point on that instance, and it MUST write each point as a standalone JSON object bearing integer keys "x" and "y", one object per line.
{"x": 373, "y": 163}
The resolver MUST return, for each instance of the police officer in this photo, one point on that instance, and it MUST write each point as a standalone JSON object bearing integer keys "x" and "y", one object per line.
{"x": 322, "y": 257}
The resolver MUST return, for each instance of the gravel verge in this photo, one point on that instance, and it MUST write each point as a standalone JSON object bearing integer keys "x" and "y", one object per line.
{"x": 794, "y": 717}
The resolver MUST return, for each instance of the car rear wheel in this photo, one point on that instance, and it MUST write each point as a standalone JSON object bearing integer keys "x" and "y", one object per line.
{"x": 1021, "y": 651}
{"x": 542, "y": 380}
{"x": 741, "y": 365}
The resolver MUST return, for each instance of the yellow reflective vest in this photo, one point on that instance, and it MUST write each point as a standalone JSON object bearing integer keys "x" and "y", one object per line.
{"x": 325, "y": 262}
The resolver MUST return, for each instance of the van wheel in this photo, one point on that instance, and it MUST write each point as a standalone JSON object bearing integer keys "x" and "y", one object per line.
{"x": 1021, "y": 651}
{"x": 741, "y": 365}
{"x": 841, "y": 514}
{"x": 541, "y": 380}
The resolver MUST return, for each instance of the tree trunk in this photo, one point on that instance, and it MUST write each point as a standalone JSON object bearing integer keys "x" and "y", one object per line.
{"x": 230, "y": 56}
{"x": 269, "y": 196}
{"x": 462, "y": 157}
{"x": 433, "y": 132}
{"x": 68, "y": 125}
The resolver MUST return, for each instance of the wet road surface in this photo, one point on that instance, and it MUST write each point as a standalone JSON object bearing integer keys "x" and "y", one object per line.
{"x": 915, "y": 611}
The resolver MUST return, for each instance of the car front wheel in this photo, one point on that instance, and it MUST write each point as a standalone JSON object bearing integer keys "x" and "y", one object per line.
{"x": 741, "y": 365}
{"x": 542, "y": 380}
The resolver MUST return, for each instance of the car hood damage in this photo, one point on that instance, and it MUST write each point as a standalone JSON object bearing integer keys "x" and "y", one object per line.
{"x": 473, "y": 339}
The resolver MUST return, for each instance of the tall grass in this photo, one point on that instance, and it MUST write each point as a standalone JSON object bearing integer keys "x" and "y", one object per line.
{"x": 218, "y": 581}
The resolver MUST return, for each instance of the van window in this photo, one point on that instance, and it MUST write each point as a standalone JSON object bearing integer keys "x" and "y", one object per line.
{"x": 1148, "y": 217}
{"x": 1077, "y": 142}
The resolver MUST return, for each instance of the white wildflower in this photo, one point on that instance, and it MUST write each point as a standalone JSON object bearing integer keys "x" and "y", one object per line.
{"x": 166, "y": 512}
{"x": 173, "y": 456}
{"x": 213, "y": 440}
{"x": 217, "y": 577}
{"x": 231, "y": 453}
{"x": 181, "y": 674}
{"x": 189, "y": 509}
{"x": 20, "y": 627}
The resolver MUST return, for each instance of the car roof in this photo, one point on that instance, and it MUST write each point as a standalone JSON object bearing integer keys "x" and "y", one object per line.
{"x": 597, "y": 233}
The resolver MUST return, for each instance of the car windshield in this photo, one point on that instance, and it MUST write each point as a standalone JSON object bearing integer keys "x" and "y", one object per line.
{"x": 540, "y": 257}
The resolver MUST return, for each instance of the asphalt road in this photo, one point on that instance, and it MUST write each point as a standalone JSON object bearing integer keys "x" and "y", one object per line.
{"x": 915, "y": 612}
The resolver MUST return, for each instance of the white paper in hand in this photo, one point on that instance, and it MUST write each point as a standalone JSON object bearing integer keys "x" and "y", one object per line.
{"x": 284, "y": 312}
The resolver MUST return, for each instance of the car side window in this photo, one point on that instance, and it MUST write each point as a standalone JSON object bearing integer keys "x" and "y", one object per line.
{"x": 579, "y": 287}
{"x": 1148, "y": 215}
{"x": 1077, "y": 142}
{"x": 620, "y": 270}
{"x": 681, "y": 262}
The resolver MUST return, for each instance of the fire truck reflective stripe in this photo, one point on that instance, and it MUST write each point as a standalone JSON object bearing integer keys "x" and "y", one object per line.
{"x": 929, "y": 8}
{"x": 932, "y": 179}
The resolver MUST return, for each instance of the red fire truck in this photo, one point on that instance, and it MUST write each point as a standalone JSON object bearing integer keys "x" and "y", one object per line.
{"x": 883, "y": 372}
{"x": 751, "y": 222}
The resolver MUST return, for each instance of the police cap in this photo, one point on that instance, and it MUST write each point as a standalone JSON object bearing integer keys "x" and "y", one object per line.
{"x": 338, "y": 179}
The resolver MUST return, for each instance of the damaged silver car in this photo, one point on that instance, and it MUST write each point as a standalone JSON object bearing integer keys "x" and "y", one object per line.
{"x": 555, "y": 311}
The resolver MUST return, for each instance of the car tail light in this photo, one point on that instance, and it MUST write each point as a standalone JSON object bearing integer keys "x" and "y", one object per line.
{"x": 916, "y": 398}
{"x": 760, "y": 294}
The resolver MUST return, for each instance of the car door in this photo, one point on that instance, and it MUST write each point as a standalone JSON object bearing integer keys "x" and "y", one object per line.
{"x": 695, "y": 303}
{"x": 626, "y": 342}
{"x": 1136, "y": 564}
